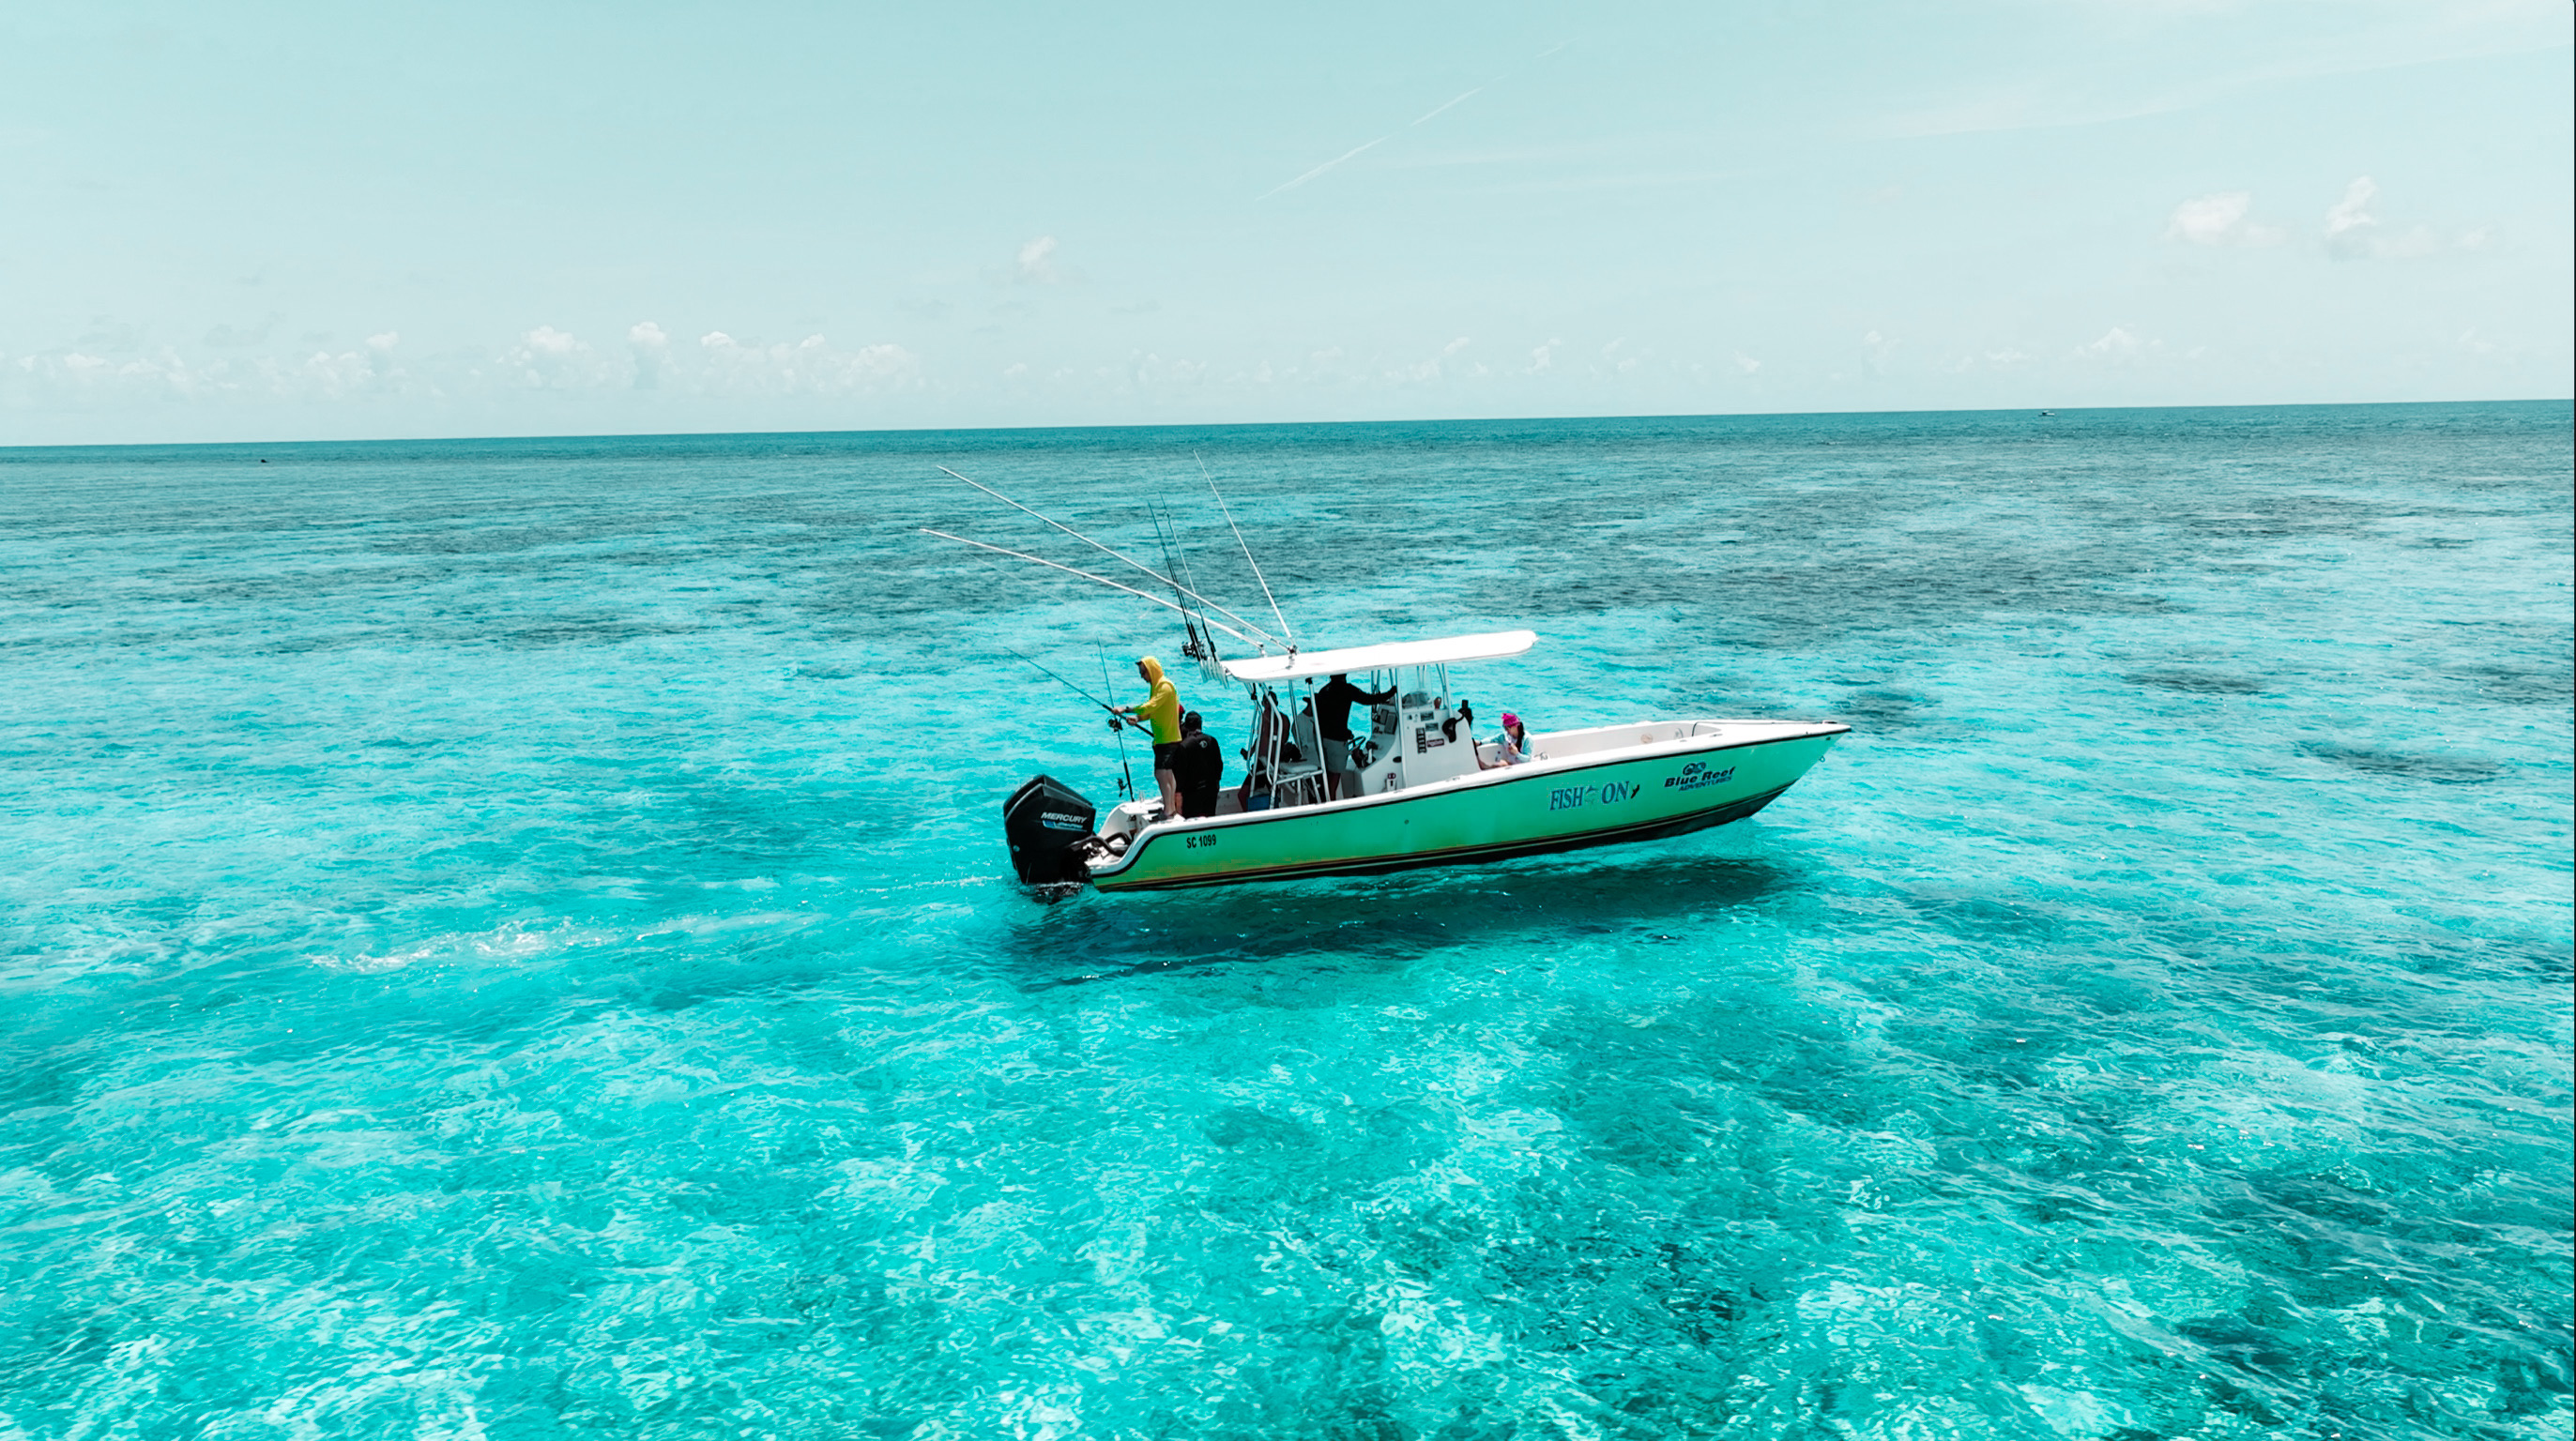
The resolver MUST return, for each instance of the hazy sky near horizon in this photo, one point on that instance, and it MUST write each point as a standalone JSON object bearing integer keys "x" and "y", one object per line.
{"x": 280, "y": 221}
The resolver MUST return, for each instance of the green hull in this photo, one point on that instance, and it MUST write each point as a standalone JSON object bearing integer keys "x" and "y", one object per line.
{"x": 1592, "y": 800}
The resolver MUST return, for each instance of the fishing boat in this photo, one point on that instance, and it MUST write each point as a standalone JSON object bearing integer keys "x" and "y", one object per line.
{"x": 1417, "y": 788}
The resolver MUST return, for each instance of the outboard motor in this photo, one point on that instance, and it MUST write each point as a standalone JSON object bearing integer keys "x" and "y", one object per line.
{"x": 1048, "y": 825}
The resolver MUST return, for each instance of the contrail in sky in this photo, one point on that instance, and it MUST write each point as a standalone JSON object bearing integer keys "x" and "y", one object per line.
{"x": 1318, "y": 170}
{"x": 1355, "y": 152}
{"x": 1478, "y": 90}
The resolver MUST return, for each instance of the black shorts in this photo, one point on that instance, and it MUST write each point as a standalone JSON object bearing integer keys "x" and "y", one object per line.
{"x": 1164, "y": 752}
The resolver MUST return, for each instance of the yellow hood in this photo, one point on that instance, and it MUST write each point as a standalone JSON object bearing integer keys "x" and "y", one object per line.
{"x": 1162, "y": 707}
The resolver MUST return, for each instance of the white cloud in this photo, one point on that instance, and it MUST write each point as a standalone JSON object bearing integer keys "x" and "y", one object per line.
{"x": 889, "y": 362}
{"x": 650, "y": 346}
{"x": 1747, "y": 364}
{"x": 353, "y": 371}
{"x": 2222, "y": 218}
{"x": 1037, "y": 263}
{"x": 2352, "y": 213}
{"x": 1426, "y": 370}
{"x": 2209, "y": 219}
{"x": 2006, "y": 357}
{"x": 1148, "y": 371}
{"x": 549, "y": 359}
{"x": 2353, "y": 233}
{"x": 2116, "y": 344}
{"x": 811, "y": 366}
{"x": 1543, "y": 357}
{"x": 1880, "y": 349}
{"x": 336, "y": 375}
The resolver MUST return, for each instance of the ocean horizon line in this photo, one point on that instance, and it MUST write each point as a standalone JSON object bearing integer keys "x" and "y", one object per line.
{"x": 1222, "y": 426}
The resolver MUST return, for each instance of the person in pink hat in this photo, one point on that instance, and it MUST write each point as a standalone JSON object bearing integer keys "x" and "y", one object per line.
{"x": 1513, "y": 742}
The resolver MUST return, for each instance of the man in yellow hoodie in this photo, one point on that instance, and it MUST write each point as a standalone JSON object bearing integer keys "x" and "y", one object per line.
{"x": 1161, "y": 710}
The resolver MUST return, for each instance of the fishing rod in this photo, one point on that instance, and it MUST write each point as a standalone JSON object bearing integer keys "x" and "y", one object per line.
{"x": 1189, "y": 628}
{"x": 1101, "y": 579}
{"x": 1118, "y": 721}
{"x": 1126, "y": 777}
{"x": 1247, "y": 555}
{"x": 1121, "y": 720}
{"x": 1122, "y": 555}
{"x": 1212, "y": 665}
{"x": 1198, "y": 647}
{"x": 1181, "y": 553}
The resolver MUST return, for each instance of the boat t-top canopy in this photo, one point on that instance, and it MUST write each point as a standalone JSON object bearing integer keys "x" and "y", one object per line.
{"x": 1269, "y": 669}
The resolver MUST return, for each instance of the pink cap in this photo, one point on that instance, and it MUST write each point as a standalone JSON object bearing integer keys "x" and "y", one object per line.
{"x": 1510, "y": 719}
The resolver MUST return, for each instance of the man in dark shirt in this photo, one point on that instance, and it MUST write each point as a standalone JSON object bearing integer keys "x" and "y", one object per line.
{"x": 1198, "y": 768}
{"x": 1333, "y": 721}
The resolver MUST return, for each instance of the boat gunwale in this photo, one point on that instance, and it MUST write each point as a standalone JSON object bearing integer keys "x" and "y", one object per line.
{"x": 1384, "y": 864}
{"x": 1453, "y": 785}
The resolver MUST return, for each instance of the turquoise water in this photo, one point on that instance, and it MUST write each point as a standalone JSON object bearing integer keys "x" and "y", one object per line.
{"x": 512, "y": 939}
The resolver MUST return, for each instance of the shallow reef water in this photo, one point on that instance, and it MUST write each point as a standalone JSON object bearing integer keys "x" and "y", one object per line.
{"x": 511, "y": 939}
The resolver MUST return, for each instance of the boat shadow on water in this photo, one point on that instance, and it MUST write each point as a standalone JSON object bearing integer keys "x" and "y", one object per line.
{"x": 1087, "y": 937}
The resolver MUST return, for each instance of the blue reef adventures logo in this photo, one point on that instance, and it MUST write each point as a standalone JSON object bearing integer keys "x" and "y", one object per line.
{"x": 1696, "y": 775}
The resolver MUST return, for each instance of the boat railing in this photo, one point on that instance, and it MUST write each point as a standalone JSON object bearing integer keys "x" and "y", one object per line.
{"x": 1302, "y": 788}
{"x": 1593, "y": 740}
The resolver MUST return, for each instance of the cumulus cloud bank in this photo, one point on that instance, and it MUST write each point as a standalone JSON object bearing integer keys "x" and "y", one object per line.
{"x": 811, "y": 366}
{"x": 74, "y": 376}
{"x": 544, "y": 359}
{"x": 550, "y": 359}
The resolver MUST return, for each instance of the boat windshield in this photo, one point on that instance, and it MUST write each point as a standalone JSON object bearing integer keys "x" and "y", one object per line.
{"x": 1315, "y": 739}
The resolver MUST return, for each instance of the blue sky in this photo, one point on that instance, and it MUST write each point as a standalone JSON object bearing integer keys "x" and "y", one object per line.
{"x": 274, "y": 222}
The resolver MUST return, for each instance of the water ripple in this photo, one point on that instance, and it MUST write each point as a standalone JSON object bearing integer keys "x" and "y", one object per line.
{"x": 509, "y": 938}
